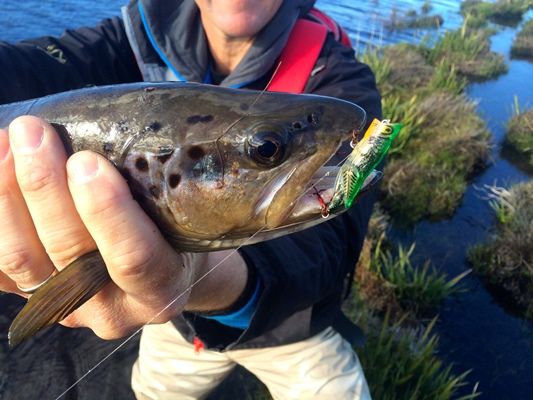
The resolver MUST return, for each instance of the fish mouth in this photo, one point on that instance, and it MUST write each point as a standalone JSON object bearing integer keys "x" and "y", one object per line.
{"x": 323, "y": 181}
{"x": 308, "y": 209}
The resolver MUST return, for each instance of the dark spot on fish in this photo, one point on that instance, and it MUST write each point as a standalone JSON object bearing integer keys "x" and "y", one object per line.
{"x": 149, "y": 89}
{"x": 174, "y": 180}
{"x": 154, "y": 191}
{"x": 163, "y": 158}
{"x": 141, "y": 164}
{"x": 195, "y": 119}
{"x": 196, "y": 152}
{"x": 108, "y": 147}
{"x": 297, "y": 125}
{"x": 154, "y": 126}
{"x": 244, "y": 107}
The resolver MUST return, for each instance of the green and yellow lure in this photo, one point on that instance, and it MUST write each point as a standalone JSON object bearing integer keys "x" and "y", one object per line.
{"x": 364, "y": 158}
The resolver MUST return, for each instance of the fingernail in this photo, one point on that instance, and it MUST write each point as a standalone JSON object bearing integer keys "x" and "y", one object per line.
{"x": 82, "y": 167}
{"x": 4, "y": 144}
{"x": 27, "y": 136}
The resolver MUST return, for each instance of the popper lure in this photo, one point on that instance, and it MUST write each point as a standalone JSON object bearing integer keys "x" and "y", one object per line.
{"x": 364, "y": 158}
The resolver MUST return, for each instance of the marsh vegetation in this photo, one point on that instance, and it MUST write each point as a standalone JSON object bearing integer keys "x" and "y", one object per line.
{"x": 505, "y": 260}
{"x": 503, "y": 12}
{"x": 444, "y": 142}
{"x": 519, "y": 139}
{"x": 523, "y": 44}
{"x": 390, "y": 300}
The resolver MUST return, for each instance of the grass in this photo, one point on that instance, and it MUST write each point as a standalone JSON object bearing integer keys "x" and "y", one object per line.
{"x": 523, "y": 43}
{"x": 418, "y": 290}
{"x": 502, "y": 12}
{"x": 443, "y": 142}
{"x": 387, "y": 281}
{"x": 519, "y": 138}
{"x": 413, "y": 20}
{"x": 402, "y": 364}
{"x": 506, "y": 258}
{"x": 428, "y": 176}
{"x": 468, "y": 52}
{"x": 446, "y": 79}
{"x": 400, "y": 70}
{"x": 389, "y": 297}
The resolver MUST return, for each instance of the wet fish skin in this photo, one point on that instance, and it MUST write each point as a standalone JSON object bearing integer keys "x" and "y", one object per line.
{"x": 209, "y": 165}
{"x": 185, "y": 151}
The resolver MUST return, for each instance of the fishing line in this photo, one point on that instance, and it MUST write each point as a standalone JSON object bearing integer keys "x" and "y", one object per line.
{"x": 129, "y": 338}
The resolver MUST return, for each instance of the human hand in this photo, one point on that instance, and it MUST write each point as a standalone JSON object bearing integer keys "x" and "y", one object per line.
{"x": 54, "y": 210}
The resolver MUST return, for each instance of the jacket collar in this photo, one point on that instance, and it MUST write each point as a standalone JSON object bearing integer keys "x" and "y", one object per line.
{"x": 176, "y": 34}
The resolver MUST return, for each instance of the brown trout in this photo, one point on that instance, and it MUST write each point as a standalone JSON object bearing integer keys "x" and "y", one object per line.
{"x": 210, "y": 165}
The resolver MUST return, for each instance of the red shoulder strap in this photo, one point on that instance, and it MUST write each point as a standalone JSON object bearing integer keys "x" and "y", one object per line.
{"x": 301, "y": 52}
{"x": 339, "y": 34}
{"x": 298, "y": 57}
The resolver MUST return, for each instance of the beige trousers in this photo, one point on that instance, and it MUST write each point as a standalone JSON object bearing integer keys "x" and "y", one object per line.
{"x": 321, "y": 367}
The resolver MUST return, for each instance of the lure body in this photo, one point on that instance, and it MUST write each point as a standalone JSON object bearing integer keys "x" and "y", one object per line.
{"x": 364, "y": 158}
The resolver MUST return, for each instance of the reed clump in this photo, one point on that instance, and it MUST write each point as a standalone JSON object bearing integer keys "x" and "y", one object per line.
{"x": 502, "y": 12}
{"x": 412, "y": 19}
{"x": 386, "y": 280}
{"x": 468, "y": 52}
{"x": 506, "y": 258}
{"x": 399, "y": 356}
{"x": 402, "y": 363}
{"x": 519, "y": 138}
{"x": 444, "y": 142}
{"x": 523, "y": 43}
{"x": 400, "y": 70}
{"x": 390, "y": 282}
{"x": 428, "y": 177}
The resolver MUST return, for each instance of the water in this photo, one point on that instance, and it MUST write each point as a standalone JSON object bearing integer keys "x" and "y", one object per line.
{"x": 476, "y": 331}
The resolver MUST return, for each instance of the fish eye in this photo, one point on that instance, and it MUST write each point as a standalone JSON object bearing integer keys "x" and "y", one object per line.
{"x": 267, "y": 147}
{"x": 386, "y": 130}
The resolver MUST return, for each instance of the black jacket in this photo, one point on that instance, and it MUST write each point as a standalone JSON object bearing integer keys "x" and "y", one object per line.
{"x": 303, "y": 274}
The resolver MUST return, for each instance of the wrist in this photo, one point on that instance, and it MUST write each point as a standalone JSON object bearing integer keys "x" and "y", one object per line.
{"x": 219, "y": 282}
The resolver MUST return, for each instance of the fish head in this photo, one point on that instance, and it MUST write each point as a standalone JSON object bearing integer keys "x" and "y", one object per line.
{"x": 244, "y": 168}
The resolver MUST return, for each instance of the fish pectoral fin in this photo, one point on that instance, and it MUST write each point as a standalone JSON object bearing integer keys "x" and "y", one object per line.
{"x": 60, "y": 296}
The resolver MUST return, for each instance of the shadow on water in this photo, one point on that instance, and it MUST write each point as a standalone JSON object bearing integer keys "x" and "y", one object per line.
{"x": 476, "y": 331}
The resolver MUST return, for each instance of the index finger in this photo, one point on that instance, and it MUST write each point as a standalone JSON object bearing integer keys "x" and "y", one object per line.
{"x": 140, "y": 260}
